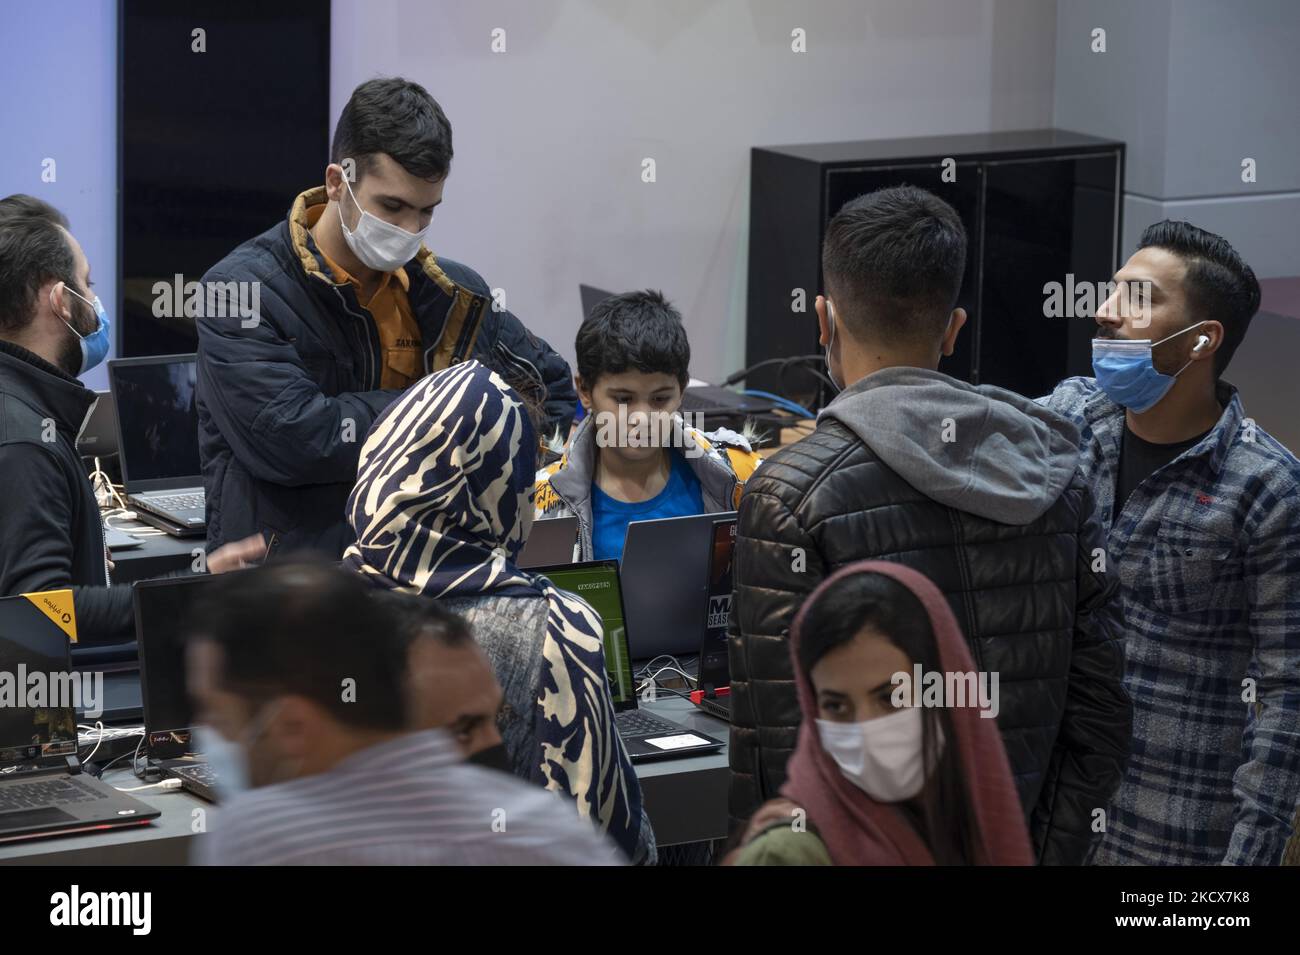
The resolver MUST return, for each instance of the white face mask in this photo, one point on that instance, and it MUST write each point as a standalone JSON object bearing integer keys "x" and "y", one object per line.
{"x": 380, "y": 245}
{"x": 882, "y": 757}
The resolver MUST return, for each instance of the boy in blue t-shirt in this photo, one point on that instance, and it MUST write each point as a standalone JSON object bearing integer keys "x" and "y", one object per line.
{"x": 633, "y": 457}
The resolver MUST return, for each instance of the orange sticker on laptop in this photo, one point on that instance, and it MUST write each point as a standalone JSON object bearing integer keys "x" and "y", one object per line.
{"x": 57, "y": 605}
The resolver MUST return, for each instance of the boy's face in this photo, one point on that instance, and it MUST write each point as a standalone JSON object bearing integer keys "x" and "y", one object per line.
{"x": 647, "y": 396}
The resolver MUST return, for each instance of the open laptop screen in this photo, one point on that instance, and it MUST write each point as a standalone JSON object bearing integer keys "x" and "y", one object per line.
{"x": 597, "y": 583}
{"x": 162, "y": 612}
{"x": 157, "y": 420}
{"x": 38, "y": 718}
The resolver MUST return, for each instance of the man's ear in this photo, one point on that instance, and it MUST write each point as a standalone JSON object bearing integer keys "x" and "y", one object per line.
{"x": 295, "y": 726}
{"x": 1214, "y": 332}
{"x": 955, "y": 322}
{"x": 56, "y": 294}
{"x": 334, "y": 187}
{"x": 823, "y": 322}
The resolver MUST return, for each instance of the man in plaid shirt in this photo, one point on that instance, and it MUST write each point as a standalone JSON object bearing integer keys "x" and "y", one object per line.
{"x": 1202, "y": 512}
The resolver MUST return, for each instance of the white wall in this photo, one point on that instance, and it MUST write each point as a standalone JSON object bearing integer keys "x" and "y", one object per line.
{"x": 546, "y": 189}
{"x": 59, "y": 66}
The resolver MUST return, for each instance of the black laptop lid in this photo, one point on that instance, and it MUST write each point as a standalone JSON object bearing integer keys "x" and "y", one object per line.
{"x": 591, "y": 297}
{"x": 665, "y": 582}
{"x": 551, "y": 542}
{"x": 157, "y": 421}
{"x": 162, "y": 611}
{"x": 98, "y": 437}
{"x": 38, "y": 719}
{"x": 715, "y": 667}
{"x": 597, "y": 582}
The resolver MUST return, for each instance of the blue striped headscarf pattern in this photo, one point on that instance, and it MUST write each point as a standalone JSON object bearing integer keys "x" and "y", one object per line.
{"x": 443, "y": 500}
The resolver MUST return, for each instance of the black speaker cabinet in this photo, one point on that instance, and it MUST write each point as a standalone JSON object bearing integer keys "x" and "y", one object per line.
{"x": 1039, "y": 206}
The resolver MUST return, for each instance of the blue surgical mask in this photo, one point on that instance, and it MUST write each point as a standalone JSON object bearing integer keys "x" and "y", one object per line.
{"x": 94, "y": 346}
{"x": 1126, "y": 373}
{"x": 228, "y": 760}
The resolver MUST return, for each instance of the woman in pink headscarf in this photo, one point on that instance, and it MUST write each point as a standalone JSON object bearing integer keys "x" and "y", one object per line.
{"x": 875, "y": 780}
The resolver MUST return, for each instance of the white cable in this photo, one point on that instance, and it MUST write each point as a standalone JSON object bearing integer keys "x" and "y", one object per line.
{"x": 663, "y": 656}
{"x": 99, "y": 739}
{"x": 135, "y": 758}
{"x": 654, "y": 677}
{"x": 165, "y": 784}
{"x": 102, "y": 484}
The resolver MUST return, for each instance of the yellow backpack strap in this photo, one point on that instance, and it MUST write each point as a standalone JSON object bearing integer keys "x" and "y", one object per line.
{"x": 545, "y": 498}
{"x": 742, "y": 464}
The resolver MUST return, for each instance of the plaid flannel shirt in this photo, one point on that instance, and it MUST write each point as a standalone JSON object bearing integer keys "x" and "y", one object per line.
{"x": 1207, "y": 550}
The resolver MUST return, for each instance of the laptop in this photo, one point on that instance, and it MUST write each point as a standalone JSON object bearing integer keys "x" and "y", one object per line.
{"x": 645, "y": 735}
{"x": 98, "y": 437}
{"x": 43, "y": 791}
{"x": 552, "y": 540}
{"x": 713, "y": 694}
{"x": 158, "y": 441}
{"x": 162, "y": 608}
{"x": 666, "y": 574}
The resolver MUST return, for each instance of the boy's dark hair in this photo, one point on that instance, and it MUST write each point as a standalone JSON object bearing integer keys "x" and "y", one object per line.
{"x": 34, "y": 250}
{"x": 893, "y": 262}
{"x": 638, "y": 331}
{"x": 399, "y": 118}
{"x": 1219, "y": 285}
{"x": 303, "y": 627}
{"x": 415, "y": 616}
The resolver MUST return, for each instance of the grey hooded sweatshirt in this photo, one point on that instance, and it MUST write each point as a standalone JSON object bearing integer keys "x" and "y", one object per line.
{"x": 980, "y": 449}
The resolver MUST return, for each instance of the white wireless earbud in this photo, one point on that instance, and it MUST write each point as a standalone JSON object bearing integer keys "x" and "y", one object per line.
{"x": 1201, "y": 342}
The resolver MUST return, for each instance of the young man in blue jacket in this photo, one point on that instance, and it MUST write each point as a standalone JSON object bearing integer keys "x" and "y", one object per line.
{"x": 352, "y": 308}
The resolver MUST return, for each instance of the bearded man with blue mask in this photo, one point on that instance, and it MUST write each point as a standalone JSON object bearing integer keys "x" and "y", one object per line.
{"x": 1202, "y": 512}
{"x": 53, "y": 328}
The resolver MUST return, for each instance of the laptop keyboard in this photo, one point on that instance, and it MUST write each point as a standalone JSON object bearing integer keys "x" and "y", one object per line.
{"x": 198, "y": 778}
{"x": 176, "y": 502}
{"x": 55, "y": 789}
{"x": 636, "y": 723}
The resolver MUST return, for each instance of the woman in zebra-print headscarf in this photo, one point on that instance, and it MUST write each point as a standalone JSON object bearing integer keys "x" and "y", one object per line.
{"x": 442, "y": 507}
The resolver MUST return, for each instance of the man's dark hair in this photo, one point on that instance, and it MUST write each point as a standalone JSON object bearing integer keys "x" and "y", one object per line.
{"x": 399, "y": 118}
{"x": 638, "y": 331}
{"x": 34, "y": 250}
{"x": 415, "y": 615}
{"x": 893, "y": 261}
{"x": 303, "y": 627}
{"x": 1219, "y": 285}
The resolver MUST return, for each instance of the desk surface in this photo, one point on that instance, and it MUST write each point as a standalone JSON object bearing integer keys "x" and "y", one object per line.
{"x": 686, "y": 799}
{"x": 156, "y": 555}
